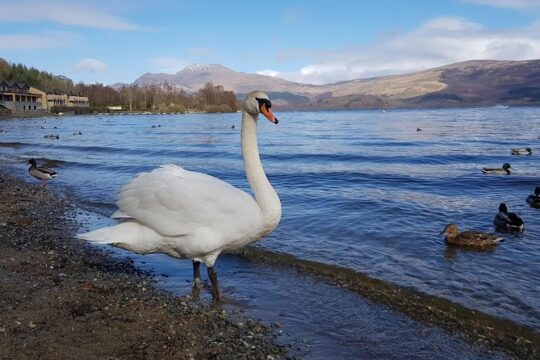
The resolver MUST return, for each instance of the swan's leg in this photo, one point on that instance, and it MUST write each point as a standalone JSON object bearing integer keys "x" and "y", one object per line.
{"x": 215, "y": 285}
{"x": 197, "y": 283}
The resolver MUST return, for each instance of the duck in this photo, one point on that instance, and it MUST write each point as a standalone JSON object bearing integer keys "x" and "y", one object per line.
{"x": 196, "y": 216}
{"x": 508, "y": 221}
{"x": 77, "y": 133}
{"x": 41, "y": 173}
{"x": 418, "y": 129}
{"x": 534, "y": 199}
{"x": 522, "y": 151}
{"x": 505, "y": 170}
{"x": 472, "y": 239}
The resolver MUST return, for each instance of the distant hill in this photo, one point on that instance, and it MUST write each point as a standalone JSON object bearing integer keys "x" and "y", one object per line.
{"x": 194, "y": 77}
{"x": 470, "y": 83}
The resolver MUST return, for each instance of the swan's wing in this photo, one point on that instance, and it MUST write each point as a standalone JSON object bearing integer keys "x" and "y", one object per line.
{"x": 175, "y": 202}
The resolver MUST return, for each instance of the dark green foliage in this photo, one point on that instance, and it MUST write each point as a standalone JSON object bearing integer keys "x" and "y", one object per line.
{"x": 162, "y": 98}
{"x": 39, "y": 79}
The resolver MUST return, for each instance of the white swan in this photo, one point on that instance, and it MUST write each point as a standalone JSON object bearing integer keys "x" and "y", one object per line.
{"x": 192, "y": 215}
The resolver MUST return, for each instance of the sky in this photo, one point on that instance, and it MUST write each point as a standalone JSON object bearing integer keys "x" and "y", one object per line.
{"x": 316, "y": 41}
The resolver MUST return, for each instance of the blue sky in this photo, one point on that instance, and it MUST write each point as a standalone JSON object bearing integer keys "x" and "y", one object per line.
{"x": 307, "y": 41}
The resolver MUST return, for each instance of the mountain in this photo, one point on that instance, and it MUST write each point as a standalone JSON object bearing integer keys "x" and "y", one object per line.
{"x": 469, "y": 83}
{"x": 194, "y": 77}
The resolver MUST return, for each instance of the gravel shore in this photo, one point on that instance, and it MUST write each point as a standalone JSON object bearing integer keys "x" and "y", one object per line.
{"x": 63, "y": 299}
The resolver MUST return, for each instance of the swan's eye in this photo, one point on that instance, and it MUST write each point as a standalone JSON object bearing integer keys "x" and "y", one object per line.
{"x": 265, "y": 102}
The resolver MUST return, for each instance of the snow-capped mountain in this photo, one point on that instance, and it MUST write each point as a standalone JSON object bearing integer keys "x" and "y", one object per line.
{"x": 475, "y": 82}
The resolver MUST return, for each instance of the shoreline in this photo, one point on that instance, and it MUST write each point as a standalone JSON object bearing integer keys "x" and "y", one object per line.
{"x": 66, "y": 299}
{"x": 518, "y": 340}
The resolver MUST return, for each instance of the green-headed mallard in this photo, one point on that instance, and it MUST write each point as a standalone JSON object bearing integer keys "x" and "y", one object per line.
{"x": 473, "y": 239}
{"x": 508, "y": 221}
{"x": 505, "y": 170}
{"x": 41, "y": 173}
{"x": 522, "y": 151}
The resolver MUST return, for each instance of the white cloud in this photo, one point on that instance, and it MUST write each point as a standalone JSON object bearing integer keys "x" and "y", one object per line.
{"x": 27, "y": 41}
{"x": 512, "y": 4}
{"x": 90, "y": 65}
{"x": 269, "y": 72}
{"x": 64, "y": 12}
{"x": 167, "y": 64}
{"x": 437, "y": 42}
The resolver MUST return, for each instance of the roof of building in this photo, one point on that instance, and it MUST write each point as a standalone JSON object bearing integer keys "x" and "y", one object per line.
{"x": 12, "y": 84}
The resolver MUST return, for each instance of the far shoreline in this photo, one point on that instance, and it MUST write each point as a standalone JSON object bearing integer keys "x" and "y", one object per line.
{"x": 24, "y": 116}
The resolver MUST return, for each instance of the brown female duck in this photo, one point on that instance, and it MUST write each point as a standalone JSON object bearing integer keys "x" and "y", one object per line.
{"x": 475, "y": 239}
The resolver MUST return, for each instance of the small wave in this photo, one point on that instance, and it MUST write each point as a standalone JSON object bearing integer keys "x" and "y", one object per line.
{"x": 14, "y": 145}
{"x": 389, "y": 158}
{"x": 52, "y": 163}
{"x": 149, "y": 152}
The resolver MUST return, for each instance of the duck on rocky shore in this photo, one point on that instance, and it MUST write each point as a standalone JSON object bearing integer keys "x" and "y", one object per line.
{"x": 41, "y": 173}
{"x": 522, "y": 151}
{"x": 505, "y": 170}
{"x": 534, "y": 199}
{"x": 473, "y": 239}
{"x": 508, "y": 221}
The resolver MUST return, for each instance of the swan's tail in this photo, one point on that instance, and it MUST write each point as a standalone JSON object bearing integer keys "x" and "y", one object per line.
{"x": 128, "y": 235}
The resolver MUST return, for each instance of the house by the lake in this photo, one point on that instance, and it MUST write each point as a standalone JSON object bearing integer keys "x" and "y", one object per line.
{"x": 17, "y": 98}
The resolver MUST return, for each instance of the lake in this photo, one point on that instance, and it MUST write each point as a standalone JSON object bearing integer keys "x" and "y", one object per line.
{"x": 360, "y": 189}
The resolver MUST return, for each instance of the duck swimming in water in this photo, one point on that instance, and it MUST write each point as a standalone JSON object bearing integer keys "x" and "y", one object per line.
{"x": 473, "y": 239}
{"x": 522, "y": 151}
{"x": 505, "y": 170}
{"x": 508, "y": 221}
{"x": 534, "y": 199}
{"x": 41, "y": 173}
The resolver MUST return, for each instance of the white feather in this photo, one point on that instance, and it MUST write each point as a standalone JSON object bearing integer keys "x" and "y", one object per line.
{"x": 192, "y": 215}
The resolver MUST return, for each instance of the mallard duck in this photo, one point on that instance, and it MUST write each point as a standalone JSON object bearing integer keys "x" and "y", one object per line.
{"x": 505, "y": 169}
{"x": 522, "y": 151}
{"x": 475, "y": 239}
{"x": 508, "y": 221}
{"x": 41, "y": 173}
{"x": 534, "y": 199}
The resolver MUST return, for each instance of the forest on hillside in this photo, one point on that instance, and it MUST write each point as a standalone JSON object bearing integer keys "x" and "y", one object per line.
{"x": 155, "y": 98}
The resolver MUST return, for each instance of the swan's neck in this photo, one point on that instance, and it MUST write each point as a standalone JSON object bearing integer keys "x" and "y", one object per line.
{"x": 265, "y": 195}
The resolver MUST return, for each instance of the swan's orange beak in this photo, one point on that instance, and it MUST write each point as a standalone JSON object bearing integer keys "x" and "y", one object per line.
{"x": 269, "y": 114}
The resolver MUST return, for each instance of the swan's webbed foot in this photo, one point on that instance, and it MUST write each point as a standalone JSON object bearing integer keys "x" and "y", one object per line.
{"x": 197, "y": 282}
{"x": 216, "y": 295}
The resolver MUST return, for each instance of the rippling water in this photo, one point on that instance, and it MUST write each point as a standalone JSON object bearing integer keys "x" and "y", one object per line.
{"x": 359, "y": 189}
